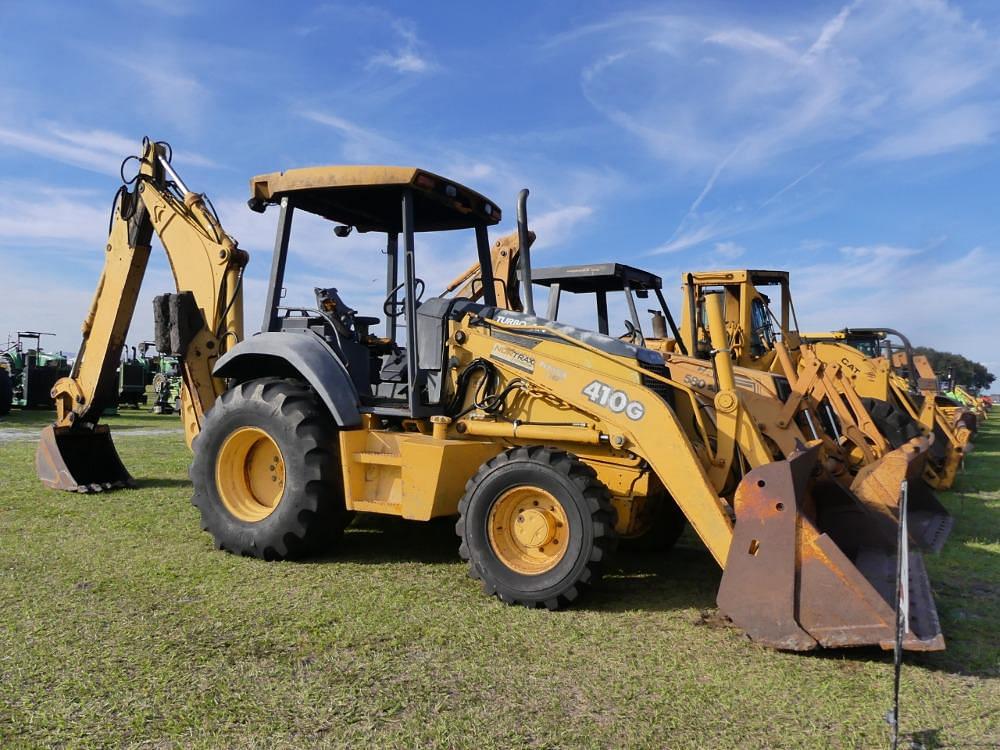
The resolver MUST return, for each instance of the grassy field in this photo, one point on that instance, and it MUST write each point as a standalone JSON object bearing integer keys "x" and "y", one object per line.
{"x": 120, "y": 626}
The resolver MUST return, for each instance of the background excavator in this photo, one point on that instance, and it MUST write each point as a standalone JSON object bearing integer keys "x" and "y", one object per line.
{"x": 541, "y": 438}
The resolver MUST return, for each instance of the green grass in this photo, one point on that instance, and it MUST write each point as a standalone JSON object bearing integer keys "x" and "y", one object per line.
{"x": 120, "y": 626}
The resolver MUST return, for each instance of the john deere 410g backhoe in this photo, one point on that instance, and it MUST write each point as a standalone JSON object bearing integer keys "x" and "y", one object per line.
{"x": 541, "y": 438}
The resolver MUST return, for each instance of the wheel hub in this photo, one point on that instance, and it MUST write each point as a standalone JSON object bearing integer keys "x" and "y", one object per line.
{"x": 528, "y": 530}
{"x": 534, "y": 527}
{"x": 250, "y": 474}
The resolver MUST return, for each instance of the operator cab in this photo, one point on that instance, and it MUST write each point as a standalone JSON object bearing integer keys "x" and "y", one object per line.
{"x": 753, "y": 326}
{"x": 400, "y": 372}
{"x": 602, "y": 279}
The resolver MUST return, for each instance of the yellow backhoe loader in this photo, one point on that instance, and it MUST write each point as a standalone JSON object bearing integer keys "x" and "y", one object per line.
{"x": 540, "y": 437}
{"x": 854, "y": 394}
{"x": 757, "y": 428}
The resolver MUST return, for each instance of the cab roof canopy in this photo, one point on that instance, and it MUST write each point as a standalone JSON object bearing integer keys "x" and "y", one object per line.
{"x": 738, "y": 276}
{"x": 596, "y": 277}
{"x": 369, "y": 198}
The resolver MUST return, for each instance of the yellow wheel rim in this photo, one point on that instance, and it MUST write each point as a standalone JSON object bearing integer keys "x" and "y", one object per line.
{"x": 528, "y": 530}
{"x": 250, "y": 474}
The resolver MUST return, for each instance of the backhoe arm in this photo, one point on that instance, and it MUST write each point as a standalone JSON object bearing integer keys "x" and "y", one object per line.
{"x": 203, "y": 320}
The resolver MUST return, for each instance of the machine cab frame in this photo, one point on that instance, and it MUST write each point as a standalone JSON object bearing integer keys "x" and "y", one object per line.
{"x": 399, "y": 202}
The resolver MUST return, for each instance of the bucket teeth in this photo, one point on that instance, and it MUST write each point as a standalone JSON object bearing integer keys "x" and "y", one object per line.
{"x": 80, "y": 460}
{"x": 811, "y": 566}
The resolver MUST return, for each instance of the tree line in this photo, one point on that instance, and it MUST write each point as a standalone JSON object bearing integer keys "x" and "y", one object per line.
{"x": 964, "y": 371}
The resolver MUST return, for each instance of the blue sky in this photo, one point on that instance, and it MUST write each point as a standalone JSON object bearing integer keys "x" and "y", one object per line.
{"x": 854, "y": 144}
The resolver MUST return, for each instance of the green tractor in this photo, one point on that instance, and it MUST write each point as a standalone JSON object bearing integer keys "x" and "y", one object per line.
{"x": 133, "y": 377}
{"x": 27, "y": 373}
{"x": 163, "y": 373}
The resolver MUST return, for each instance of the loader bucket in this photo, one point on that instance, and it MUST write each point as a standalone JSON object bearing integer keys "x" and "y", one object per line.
{"x": 811, "y": 566}
{"x": 80, "y": 460}
{"x": 877, "y": 486}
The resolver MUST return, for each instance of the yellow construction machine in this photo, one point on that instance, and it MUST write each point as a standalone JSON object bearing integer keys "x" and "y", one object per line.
{"x": 856, "y": 395}
{"x": 760, "y": 426}
{"x": 541, "y": 438}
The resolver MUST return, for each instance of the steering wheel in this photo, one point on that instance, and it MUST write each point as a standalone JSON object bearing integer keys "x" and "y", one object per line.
{"x": 395, "y": 308}
{"x": 632, "y": 334}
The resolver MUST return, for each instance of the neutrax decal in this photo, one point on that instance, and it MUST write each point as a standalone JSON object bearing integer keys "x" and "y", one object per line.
{"x": 604, "y": 395}
{"x": 513, "y": 357}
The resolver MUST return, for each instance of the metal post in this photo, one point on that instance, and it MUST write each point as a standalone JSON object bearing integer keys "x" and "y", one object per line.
{"x": 391, "y": 280}
{"x": 555, "y": 292}
{"x": 689, "y": 293}
{"x": 410, "y": 305}
{"x": 631, "y": 309}
{"x": 602, "y": 312}
{"x": 486, "y": 266}
{"x": 902, "y": 608}
{"x": 278, "y": 266}
{"x": 670, "y": 320}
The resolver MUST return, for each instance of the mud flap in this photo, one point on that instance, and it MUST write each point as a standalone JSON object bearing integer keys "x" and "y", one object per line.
{"x": 810, "y": 566}
{"x": 877, "y": 486}
{"x": 80, "y": 460}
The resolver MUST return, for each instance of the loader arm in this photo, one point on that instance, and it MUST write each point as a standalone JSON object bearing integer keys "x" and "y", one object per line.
{"x": 207, "y": 267}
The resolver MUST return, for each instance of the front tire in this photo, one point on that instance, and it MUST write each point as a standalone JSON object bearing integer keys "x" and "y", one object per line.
{"x": 266, "y": 472}
{"x": 536, "y": 527}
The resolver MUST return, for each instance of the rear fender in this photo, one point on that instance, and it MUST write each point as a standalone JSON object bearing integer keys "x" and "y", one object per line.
{"x": 304, "y": 356}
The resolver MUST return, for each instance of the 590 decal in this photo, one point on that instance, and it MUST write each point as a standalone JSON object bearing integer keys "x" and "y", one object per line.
{"x": 604, "y": 395}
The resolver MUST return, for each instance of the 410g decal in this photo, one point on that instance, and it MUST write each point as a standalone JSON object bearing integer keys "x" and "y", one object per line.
{"x": 604, "y": 395}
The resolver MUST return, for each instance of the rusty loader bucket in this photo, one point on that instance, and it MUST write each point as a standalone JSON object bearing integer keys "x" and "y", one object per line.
{"x": 80, "y": 460}
{"x": 877, "y": 486}
{"x": 812, "y": 566}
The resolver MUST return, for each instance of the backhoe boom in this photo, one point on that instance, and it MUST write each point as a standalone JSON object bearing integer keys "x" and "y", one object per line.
{"x": 203, "y": 320}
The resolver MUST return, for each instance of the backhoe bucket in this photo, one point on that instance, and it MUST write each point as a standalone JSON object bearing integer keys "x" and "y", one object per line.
{"x": 811, "y": 566}
{"x": 80, "y": 460}
{"x": 877, "y": 486}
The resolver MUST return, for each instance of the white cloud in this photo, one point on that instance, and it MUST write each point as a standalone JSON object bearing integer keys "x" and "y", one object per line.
{"x": 95, "y": 150}
{"x": 557, "y": 226}
{"x": 732, "y": 103}
{"x": 728, "y": 250}
{"x": 964, "y": 127}
{"x": 887, "y": 285}
{"x": 358, "y": 143}
{"x": 829, "y": 32}
{"x": 405, "y": 58}
{"x": 35, "y": 214}
{"x": 691, "y": 88}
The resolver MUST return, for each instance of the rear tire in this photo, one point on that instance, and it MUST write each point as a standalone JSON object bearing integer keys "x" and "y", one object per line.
{"x": 899, "y": 428}
{"x": 666, "y": 525}
{"x": 896, "y": 425}
{"x": 569, "y": 520}
{"x": 6, "y": 392}
{"x": 266, "y": 471}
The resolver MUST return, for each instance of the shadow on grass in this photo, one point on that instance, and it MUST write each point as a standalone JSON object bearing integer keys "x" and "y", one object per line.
{"x": 162, "y": 482}
{"x": 685, "y": 576}
{"x": 374, "y": 540}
